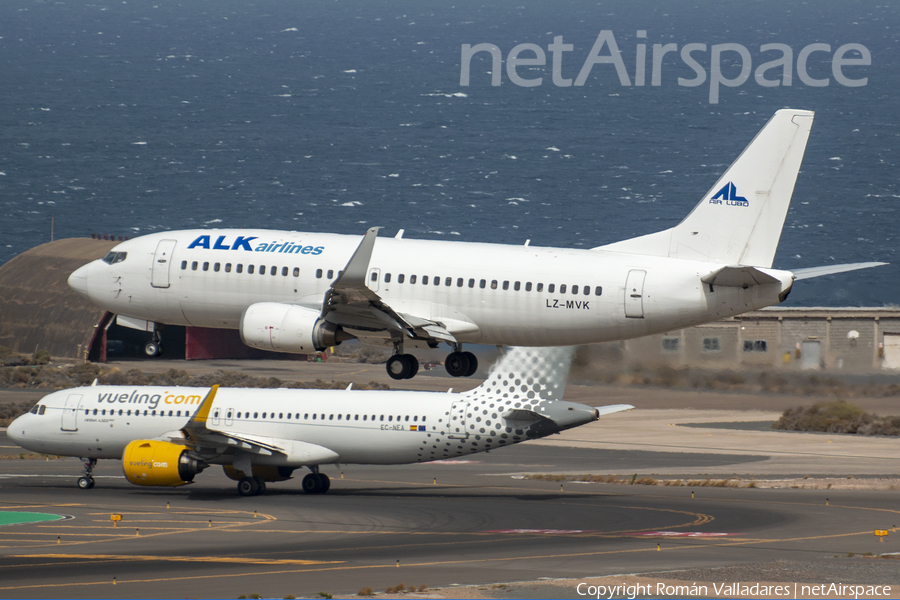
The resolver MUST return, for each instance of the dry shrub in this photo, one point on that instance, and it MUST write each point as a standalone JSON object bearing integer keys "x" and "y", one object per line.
{"x": 837, "y": 416}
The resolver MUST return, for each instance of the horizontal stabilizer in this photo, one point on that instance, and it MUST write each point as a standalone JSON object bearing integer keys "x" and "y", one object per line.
{"x": 612, "y": 408}
{"x": 742, "y": 277}
{"x": 811, "y": 272}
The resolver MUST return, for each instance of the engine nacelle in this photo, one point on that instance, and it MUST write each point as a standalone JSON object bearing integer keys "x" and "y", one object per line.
{"x": 152, "y": 462}
{"x": 288, "y": 328}
{"x": 268, "y": 473}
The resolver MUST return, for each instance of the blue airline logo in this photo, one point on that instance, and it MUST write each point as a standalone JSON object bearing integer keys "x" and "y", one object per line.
{"x": 728, "y": 195}
{"x": 243, "y": 243}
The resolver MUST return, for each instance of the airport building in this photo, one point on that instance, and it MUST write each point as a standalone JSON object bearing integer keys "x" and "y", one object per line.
{"x": 38, "y": 311}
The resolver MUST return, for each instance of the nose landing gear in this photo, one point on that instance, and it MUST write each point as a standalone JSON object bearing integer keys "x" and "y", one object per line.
{"x": 86, "y": 481}
{"x": 154, "y": 346}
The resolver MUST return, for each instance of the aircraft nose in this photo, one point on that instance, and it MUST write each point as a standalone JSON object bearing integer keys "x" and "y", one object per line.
{"x": 16, "y": 431}
{"x": 78, "y": 280}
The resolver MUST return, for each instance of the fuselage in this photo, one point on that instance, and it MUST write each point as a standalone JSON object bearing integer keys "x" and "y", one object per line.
{"x": 361, "y": 427}
{"x": 482, "y": 293}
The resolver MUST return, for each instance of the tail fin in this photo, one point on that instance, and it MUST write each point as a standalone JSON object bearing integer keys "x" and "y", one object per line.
{"x": 739, "y": 220}
{"x": 526, "y": 375}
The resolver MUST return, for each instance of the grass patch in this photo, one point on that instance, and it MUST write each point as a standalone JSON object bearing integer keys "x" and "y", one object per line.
{"x": 837, "y": 416}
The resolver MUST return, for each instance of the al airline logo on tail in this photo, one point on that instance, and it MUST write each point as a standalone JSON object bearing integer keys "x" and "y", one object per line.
{"x": 728, "y": 195}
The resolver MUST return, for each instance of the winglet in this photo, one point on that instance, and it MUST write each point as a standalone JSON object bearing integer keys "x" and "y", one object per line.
{"x": 199, "y": 418}
{"x": 354, "y": 275}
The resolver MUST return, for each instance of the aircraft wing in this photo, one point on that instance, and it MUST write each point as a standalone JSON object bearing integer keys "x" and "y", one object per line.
{"x": 204, "y": 440}
{"x": 351, "y": 304}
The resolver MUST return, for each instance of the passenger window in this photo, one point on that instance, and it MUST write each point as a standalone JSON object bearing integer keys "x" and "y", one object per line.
{"x": 494, "y": 284}
{"x": 262, "y": 269}
{"x": 216, "y": 267}
{"x": 400, "y": 278}
{"x": 540, "y": 287}
{"x": 296, "y": 271}
{"x": 406, "y": 419}
{"x": 339, "y": 417}
{"x": 356, "y": 417}
{"x": 274, "y": 271}
{"x": 194, "y": 266}
{"x": 387, "y": 277}
{"x": 382, "y": 418}
{"x": 562, "y": 288}
{"x": 505, "y": 285}
{"x": 264, "y": 415}
{"x": 318, "y": 273}
{"x": 228, "y": 267}
{"x": 390, "y": 417}
{"x": 471, "y": 283}
{"x": 206, "y": 266}
{"x": 587, "y": 290}
{"x": 95, "y": 411}
{"x": 330, "y": 273}
{"x": 412, "y": 278}
{"x": 598, "y": 291}
{"x": 364, "y": 417}
{"x": 184, "y": 265}
{"x": 517, "y": 286}
{"x": 574, "y": 289}
{"x": 280, "y": 415}
{"x": 527, "y": 286}
{"x": 284, "y": 271}
{"x": 374, "y": 276}
{"x": 551, "y": 287}
{"x": 416, "y": 418}
{"x": 331, "y": 417}
{"x": 437, "y": 280}
{"x": 483, "y": 284}
{"x": 449, "y": 281}
{"x": 250, "y": 269}
{"x": 240, "y": 268}
{"x": 314, "y": 416}
{"x": 424, "y": 279}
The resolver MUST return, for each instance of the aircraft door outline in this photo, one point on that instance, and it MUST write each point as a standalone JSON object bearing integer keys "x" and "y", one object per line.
{"x": 162, "y": 261}
{"x": 229, "y": 416}
{"x": 456, "y": 428}
{"x": 634, "y": 294}
{"x": 214, "y": 417}
{"x": 70, "y": 413}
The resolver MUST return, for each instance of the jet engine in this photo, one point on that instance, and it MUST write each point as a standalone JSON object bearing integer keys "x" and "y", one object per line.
{"x": 152, "y": 462}
{"x": 288, "y": 328}
{"x": 268, "y": 473}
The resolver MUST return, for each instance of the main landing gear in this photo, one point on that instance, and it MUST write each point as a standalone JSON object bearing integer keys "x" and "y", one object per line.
{"x": 461, "y": 364}
{"x": 315, "y": 482}
{"x": 154, "y": 347}
{"x": 251, "y": 486}
{"x": 405, "y": 366}
{"x": 402, "y": 366}
{"x": 86, "y": 481}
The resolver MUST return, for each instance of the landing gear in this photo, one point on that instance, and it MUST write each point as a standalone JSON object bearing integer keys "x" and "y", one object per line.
{"x": 316, "y": 483}
{"x": 251, "y": 486}
{"x": 402, "y": 366}
{"x": 86, "y": 481}
{"x": 154, "y": 346}
{"x": 461, "y": 364}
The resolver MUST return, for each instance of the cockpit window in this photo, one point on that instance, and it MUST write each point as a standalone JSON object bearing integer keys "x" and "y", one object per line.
{"x": 114, "y": 257}
{"x": 34, "y": 409}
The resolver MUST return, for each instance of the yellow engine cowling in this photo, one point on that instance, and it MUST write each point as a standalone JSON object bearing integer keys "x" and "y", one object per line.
{"x": 152, "y": 462}
{"x": 265, "y": 472}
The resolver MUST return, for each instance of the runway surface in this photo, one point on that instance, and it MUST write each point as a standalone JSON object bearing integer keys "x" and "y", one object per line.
{"x": 473, "y": 521}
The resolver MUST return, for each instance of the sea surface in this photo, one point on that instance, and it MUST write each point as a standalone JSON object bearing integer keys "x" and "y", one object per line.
{"x": 128, "y": 117}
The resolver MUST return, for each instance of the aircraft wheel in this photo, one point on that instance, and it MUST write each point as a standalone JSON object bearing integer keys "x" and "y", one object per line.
{"x": 473, "y": 363}
{"x": 310, "y": 483}
{"x": 248, "y": 486}
{"x": 398, "y": 367}
{"x": 457, "y": 364}
{"x": 152, "y": 349}
{"x": 85, "y": 483}
{"x": 324, "y": 483}
{"x": 261, "y": 485}
{"x": 413, "y": 365}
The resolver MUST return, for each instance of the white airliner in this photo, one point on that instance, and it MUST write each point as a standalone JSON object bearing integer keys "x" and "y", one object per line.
{"x": 166, "y": 435}
{"x": 301, "y": 292}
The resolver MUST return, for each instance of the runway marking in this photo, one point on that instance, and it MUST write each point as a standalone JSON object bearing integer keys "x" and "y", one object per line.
{"x": 204, "y": 559}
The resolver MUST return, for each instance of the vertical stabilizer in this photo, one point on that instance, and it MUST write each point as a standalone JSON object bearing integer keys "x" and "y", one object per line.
{"x": 528, "y": 376}
{"x": 739, "y": 220}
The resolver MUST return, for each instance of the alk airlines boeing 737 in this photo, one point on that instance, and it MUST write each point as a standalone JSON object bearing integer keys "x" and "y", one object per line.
{"x": 165, "y": 436}
{"x": 301, "y": 292}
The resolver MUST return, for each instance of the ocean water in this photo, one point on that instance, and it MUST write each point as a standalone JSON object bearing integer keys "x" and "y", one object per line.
{"x": 127, "y": 118}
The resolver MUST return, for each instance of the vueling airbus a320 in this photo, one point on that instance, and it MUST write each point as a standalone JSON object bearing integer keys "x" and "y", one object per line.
{"x": 165, "y": 436}
{"x": 301, "y": 292}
